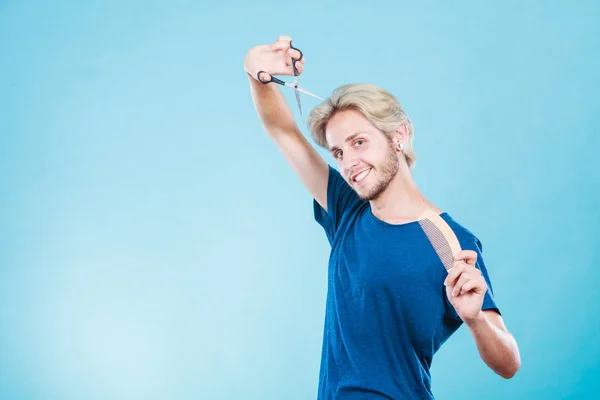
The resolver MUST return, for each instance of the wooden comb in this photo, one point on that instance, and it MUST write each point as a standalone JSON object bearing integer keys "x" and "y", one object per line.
{"x": 442, "y": 238}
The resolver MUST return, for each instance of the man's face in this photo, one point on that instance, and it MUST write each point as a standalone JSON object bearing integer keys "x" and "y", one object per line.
{"x": 366, "y": 158}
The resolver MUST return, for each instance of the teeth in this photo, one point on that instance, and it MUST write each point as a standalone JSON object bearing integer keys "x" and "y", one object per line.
{"x": 361, "y": 176}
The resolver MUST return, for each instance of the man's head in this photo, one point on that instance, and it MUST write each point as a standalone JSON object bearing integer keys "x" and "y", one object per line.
{"x": 363, "y": 127}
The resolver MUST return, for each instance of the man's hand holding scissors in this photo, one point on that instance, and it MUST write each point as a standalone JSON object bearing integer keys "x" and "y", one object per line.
{"x": 280, "y": 58}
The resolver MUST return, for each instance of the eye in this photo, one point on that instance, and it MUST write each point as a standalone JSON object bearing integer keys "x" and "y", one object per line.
{"x": 338, "y": 154}
{"x": 358, "y": 143}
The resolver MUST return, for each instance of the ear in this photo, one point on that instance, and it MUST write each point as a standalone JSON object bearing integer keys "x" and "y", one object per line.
{"x": 401, "y": 135}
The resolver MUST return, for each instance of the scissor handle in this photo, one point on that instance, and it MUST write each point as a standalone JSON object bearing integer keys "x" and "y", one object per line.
{"x": 294, "y": 60}
{"x": 279, "y": 81}
{"x": 273, "y": 79}
{"x": 298, "y": 50}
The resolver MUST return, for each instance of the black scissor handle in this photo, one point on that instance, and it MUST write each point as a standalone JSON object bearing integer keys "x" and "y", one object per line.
{"x": 273, "y": 79}
{"x": 279, "y": 81}
{"x": 294, "y": 60}
{"x": 298, "y": 50}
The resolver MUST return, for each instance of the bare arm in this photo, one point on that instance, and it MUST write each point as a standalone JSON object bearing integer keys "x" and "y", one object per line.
{"x": 496, "y": 346}
{"x": 278, "y": 120}
{"x": 466, "y": 288}
{"x": 272, "y": 109}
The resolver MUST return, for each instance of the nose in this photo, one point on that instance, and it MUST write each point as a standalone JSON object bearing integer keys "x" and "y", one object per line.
{"x": 350, "y": 163}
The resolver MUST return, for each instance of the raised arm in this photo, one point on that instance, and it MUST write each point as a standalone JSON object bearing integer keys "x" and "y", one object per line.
{"x": 277, "y": 117}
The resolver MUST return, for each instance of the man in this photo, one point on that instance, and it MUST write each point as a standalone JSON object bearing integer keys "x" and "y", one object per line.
{"x": 390, "y": 302}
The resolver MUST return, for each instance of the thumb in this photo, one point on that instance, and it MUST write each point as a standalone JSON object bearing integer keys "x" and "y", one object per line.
{"x": 469, "y": 256}
{"x": 283, "y": 43}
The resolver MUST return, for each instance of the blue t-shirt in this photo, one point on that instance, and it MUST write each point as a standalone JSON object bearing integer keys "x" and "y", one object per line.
{"x": 387, "y": 312}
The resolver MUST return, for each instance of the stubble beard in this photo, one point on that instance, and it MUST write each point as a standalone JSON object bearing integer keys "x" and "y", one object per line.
{"x": 388, "y": 170}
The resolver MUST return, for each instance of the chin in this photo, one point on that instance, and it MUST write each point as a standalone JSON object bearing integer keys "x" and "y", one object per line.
{"x": 369, "y": 193}
{"x": 362, "y": 195}
{"x": 372, "y": 191}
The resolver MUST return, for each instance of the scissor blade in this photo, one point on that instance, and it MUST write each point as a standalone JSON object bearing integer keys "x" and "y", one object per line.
{"x": 308, "y": 93}
{"x": 298, "y": 100}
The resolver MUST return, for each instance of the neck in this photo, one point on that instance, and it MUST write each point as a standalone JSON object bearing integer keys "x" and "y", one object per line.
{"x": 401, "y": 201}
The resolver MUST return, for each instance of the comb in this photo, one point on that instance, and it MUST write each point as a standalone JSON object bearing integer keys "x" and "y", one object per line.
{"x": 442, "y": 238}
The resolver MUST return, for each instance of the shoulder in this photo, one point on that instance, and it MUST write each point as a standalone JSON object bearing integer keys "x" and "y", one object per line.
{"x": 467, "y": 239}
{"x": 343, "y": 205}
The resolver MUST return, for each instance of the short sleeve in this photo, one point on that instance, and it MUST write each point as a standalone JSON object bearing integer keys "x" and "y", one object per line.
{"x": 341, "y": 198}
{"x": 489, "y": 301}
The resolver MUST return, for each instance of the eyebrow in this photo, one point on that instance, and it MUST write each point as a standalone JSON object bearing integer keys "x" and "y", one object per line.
{"x": 348, "y": 139}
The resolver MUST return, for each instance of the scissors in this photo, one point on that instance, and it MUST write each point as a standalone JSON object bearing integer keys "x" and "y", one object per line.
{"x": 293, "y": 85}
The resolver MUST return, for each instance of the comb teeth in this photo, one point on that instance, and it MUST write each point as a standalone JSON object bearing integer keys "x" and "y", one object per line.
{"x": 439, "y": 242}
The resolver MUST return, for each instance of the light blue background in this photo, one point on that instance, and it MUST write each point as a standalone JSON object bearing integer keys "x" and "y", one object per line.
{"x": 154, "y": 244}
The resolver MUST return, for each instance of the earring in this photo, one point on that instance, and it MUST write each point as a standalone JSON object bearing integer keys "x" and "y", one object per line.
{"x": 400, "y": 145}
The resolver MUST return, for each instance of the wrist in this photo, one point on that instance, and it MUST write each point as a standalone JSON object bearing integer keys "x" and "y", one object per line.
{"x": 476, "y": 321}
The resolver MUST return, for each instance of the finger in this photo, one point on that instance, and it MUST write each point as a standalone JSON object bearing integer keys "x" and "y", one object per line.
{"x": 471, "y": 269}
{"x": 469, "y": 256}
{"x": 468, "y": 286}
{"x": 464, "y": 278}
{"x": 453, "y": 274}
{"x": 264, "y": 76}
{"x": 280, "y": 45}
{"x": 299, "y": 67}
{"x": 295, "y": 54}
{"x": 480, "y": 285}
{"x": 277, "y": 46}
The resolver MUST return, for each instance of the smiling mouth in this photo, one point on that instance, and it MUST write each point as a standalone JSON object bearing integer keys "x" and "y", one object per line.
{"x": 358, "y": 178}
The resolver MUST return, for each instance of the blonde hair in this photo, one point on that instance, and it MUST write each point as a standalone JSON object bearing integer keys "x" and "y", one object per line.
{"x": 379, "y": 106}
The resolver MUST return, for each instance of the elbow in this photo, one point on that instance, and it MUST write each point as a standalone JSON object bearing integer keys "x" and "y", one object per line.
{"x": 510, "y": 370}
{"x": 511, "y": 361}
{"x": 509, "y": 373}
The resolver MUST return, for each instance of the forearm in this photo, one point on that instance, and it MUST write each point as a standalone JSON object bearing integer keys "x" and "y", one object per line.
{"x": 497, "y": 347}
{"x": 272, "y": 108}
